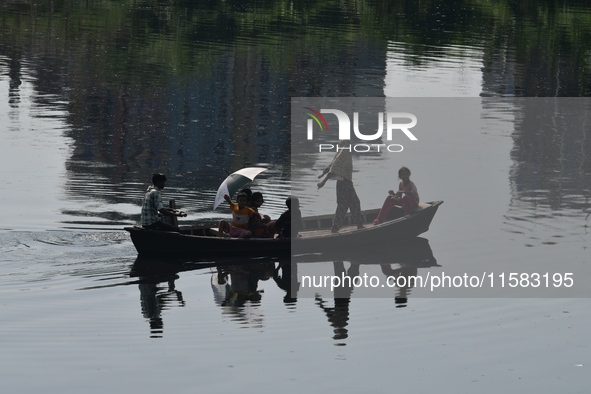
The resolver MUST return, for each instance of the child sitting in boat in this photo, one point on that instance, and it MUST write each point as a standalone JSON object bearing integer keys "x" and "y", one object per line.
{"x": 248, "y": 193}
{"x": 290, "y": 222}
{"x": 406, "y": 197}
{"x": 241, "y": 215}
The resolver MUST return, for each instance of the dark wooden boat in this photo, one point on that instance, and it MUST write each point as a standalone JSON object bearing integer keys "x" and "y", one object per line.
{"x": 316, "y": 236}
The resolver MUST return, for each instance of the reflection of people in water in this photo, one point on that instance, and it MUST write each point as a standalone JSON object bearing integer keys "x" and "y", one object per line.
{"x": 338, "y": 316}
{"x": 406, "y": 272}
{"x": 236, "y": 289}
{"x": 286, "y": 278}
{"x": 409, "y": 257}
{"x": 156, "y": 282}
{"x": 243, "y": 285}
{"x": 153, "y": 300}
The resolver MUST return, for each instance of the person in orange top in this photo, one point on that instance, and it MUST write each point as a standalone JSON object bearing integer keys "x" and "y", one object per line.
{"x": 241, "y": 214}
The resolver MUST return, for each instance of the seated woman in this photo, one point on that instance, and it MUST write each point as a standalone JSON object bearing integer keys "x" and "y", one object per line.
{"x": 406, "y": 197}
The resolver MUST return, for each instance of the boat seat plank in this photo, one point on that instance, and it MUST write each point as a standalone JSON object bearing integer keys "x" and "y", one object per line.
{"x": 325, "y": 232}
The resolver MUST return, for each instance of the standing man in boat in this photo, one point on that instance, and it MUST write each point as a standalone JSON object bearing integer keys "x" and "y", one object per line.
{"x": 153, "y": 206}
{"x": 341, "y": 169}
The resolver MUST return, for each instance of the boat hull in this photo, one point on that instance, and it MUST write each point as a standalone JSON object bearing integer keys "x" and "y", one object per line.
{"x": 202, "y": 241}
{"x": 148, "y": 242}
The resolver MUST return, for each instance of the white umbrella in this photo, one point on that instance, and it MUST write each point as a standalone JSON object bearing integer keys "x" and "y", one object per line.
{"x": 236, "y": 181}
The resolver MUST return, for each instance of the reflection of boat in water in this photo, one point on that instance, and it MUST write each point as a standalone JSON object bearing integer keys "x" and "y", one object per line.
{"x": 237, "y": 284}
{"x": 401, "y": 261}
{"x": 158, "y": 267}
{"x": 234, "y": 283}
{"x": 315, "y": 236}
{"x": 414, "y": 252}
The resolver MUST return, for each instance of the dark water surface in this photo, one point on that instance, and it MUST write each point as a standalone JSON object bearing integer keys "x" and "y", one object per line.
{"x": 96, "y": 96}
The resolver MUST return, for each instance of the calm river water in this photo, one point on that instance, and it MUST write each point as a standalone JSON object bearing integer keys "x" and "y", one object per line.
{"x": 96, "y": 96}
